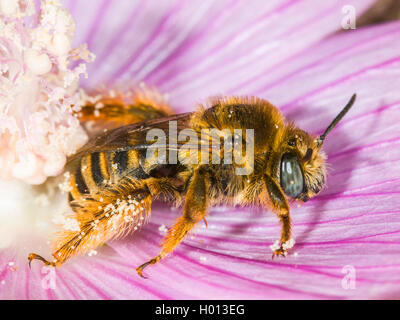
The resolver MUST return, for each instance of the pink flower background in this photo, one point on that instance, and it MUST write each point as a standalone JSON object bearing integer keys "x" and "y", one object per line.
{"x": 295, "y": 54}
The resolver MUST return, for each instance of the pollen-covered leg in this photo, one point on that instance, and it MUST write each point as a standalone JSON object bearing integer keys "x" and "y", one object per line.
{"x": 111, "y": 214}
{"x": 194, "y": 211}
{"x": 281, "y": 206}
{"x": 281, "y": 246}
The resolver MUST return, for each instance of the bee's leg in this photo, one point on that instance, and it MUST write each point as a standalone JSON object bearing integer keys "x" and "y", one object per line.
{"x": 281, "y": 206}
{"x": 34, "y": 256}
{"x": 101, "y": 217}
{"x": 194, "y": 211}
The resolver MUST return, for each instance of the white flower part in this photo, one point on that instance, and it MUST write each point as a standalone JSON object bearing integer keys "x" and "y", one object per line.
{"x": 288, "y": 244}
{"x": 16, "y": 9}
{"x": 8, "y": 7}
{"x": 275, "y": 246}
{"x": 37, "y": 63}
{"x": 26, "y": 212}
{"x": 42, "y": 200}
{"x": 61, "y": 45}
{"x": 39, "y": 97}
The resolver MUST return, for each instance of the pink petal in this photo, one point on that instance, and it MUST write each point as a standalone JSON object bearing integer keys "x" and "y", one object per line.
{"x": 194, "y": 50}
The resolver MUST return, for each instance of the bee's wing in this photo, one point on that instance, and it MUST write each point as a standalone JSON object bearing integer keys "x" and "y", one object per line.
{"x": 123, "y": 108}
{"x": 132, "y": 136}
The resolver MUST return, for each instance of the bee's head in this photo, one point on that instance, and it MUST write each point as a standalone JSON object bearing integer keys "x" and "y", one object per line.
{"x": 302, "y": 165}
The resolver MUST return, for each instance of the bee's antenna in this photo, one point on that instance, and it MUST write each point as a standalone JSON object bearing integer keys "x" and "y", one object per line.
{"x": 336, "y": 120}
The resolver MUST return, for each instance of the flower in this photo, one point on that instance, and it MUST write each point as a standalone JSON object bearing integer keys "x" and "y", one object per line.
{"x": 39, "y": 90}
{"x": 294, "y": 54}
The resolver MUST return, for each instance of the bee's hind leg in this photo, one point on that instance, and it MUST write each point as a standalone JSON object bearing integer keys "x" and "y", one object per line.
{"x": 139, "y": 269}
{"x": 34, "y": 256}
{"x": 193, "y": 212}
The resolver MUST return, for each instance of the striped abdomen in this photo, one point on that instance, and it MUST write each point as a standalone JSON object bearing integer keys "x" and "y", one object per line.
{"x": 98, "y": 170}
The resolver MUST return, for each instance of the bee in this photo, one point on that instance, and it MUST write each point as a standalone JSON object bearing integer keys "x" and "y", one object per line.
{"x": 117, "y": 177}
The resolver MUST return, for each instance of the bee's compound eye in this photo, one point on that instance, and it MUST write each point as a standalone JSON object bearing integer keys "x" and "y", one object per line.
{"x": 292, "y": 180}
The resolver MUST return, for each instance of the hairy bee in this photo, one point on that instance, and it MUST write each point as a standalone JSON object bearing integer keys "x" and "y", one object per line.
{"x": 117, "y": 177}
